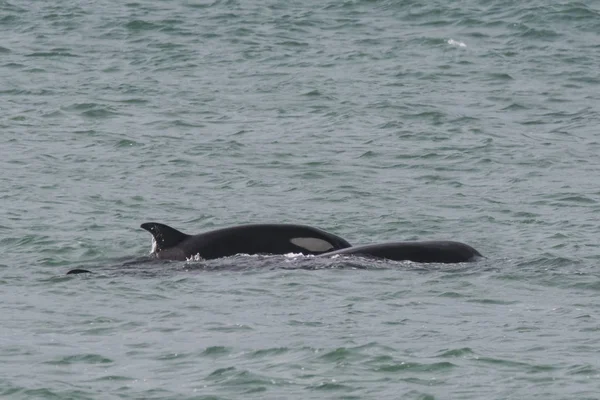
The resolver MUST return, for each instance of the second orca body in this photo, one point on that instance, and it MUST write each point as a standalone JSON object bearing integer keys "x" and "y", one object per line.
{"x": 421, "y": 252}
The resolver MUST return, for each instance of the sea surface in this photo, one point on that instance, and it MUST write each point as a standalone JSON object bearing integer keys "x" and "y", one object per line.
{"x": 473, "y": 120}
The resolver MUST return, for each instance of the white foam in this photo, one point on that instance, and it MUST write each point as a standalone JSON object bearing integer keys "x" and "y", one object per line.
{"x": 293, "y": 255}
{"x": 195, "y": 257}
{"x": 456, "y": 43}
{"x": 153, "y": 250}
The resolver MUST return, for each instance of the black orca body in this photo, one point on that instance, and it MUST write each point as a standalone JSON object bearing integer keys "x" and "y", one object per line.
{"x": 421, "y": 252}
{"x": 170, "y": 244}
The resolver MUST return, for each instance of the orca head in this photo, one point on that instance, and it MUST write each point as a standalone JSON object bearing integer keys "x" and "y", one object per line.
{"x": 163, "y": 236}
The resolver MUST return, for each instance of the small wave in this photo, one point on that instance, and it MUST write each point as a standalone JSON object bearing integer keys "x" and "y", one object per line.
{"x": 140, "y": 25}
{"x": 80, "y": 359}
{"x": 126, "y": 143}
{"x": 415, "y": 367}
{"x": 215, "y": 351}
{"x": 52, "y": 53}
{"x": 93, "y": 110}
{"x": 328, "y": 386}
{"x": 461, "y": 352}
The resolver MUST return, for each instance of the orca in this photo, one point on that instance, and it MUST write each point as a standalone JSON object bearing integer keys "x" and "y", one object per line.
{"x": 421, "y": 252}
{"x": 170, "y": 244}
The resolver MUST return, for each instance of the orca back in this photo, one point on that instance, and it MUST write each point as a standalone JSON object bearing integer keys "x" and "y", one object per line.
{"x": 421, "y": 252}
{"x": 243, "y": 239}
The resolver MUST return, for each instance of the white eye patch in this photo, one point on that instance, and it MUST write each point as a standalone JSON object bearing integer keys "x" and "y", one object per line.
{"x": 312, "y": 244}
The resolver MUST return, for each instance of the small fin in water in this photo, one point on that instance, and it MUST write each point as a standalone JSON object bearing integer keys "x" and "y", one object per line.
{"x": 79, "y": 271}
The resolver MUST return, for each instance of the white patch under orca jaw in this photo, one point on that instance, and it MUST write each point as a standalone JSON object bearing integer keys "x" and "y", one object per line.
{"x": 312, "y": 244}
{"x": 154, "y": 245}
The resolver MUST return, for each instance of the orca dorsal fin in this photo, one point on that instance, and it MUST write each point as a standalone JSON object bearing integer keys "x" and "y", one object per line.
{"x": 164, "y": 235}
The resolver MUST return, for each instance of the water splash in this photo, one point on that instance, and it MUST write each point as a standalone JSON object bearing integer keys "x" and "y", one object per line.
{"x": 453, "y": 42}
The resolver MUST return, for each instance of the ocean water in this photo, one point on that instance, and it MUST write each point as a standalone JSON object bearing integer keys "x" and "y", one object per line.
{"x": 470, "y": 120}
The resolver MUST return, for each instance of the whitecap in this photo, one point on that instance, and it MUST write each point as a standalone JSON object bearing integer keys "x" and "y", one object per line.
{"x": 453, "y": 42}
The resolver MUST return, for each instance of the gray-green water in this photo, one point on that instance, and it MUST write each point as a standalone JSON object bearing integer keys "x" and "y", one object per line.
{"x": 377, "y": 120}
